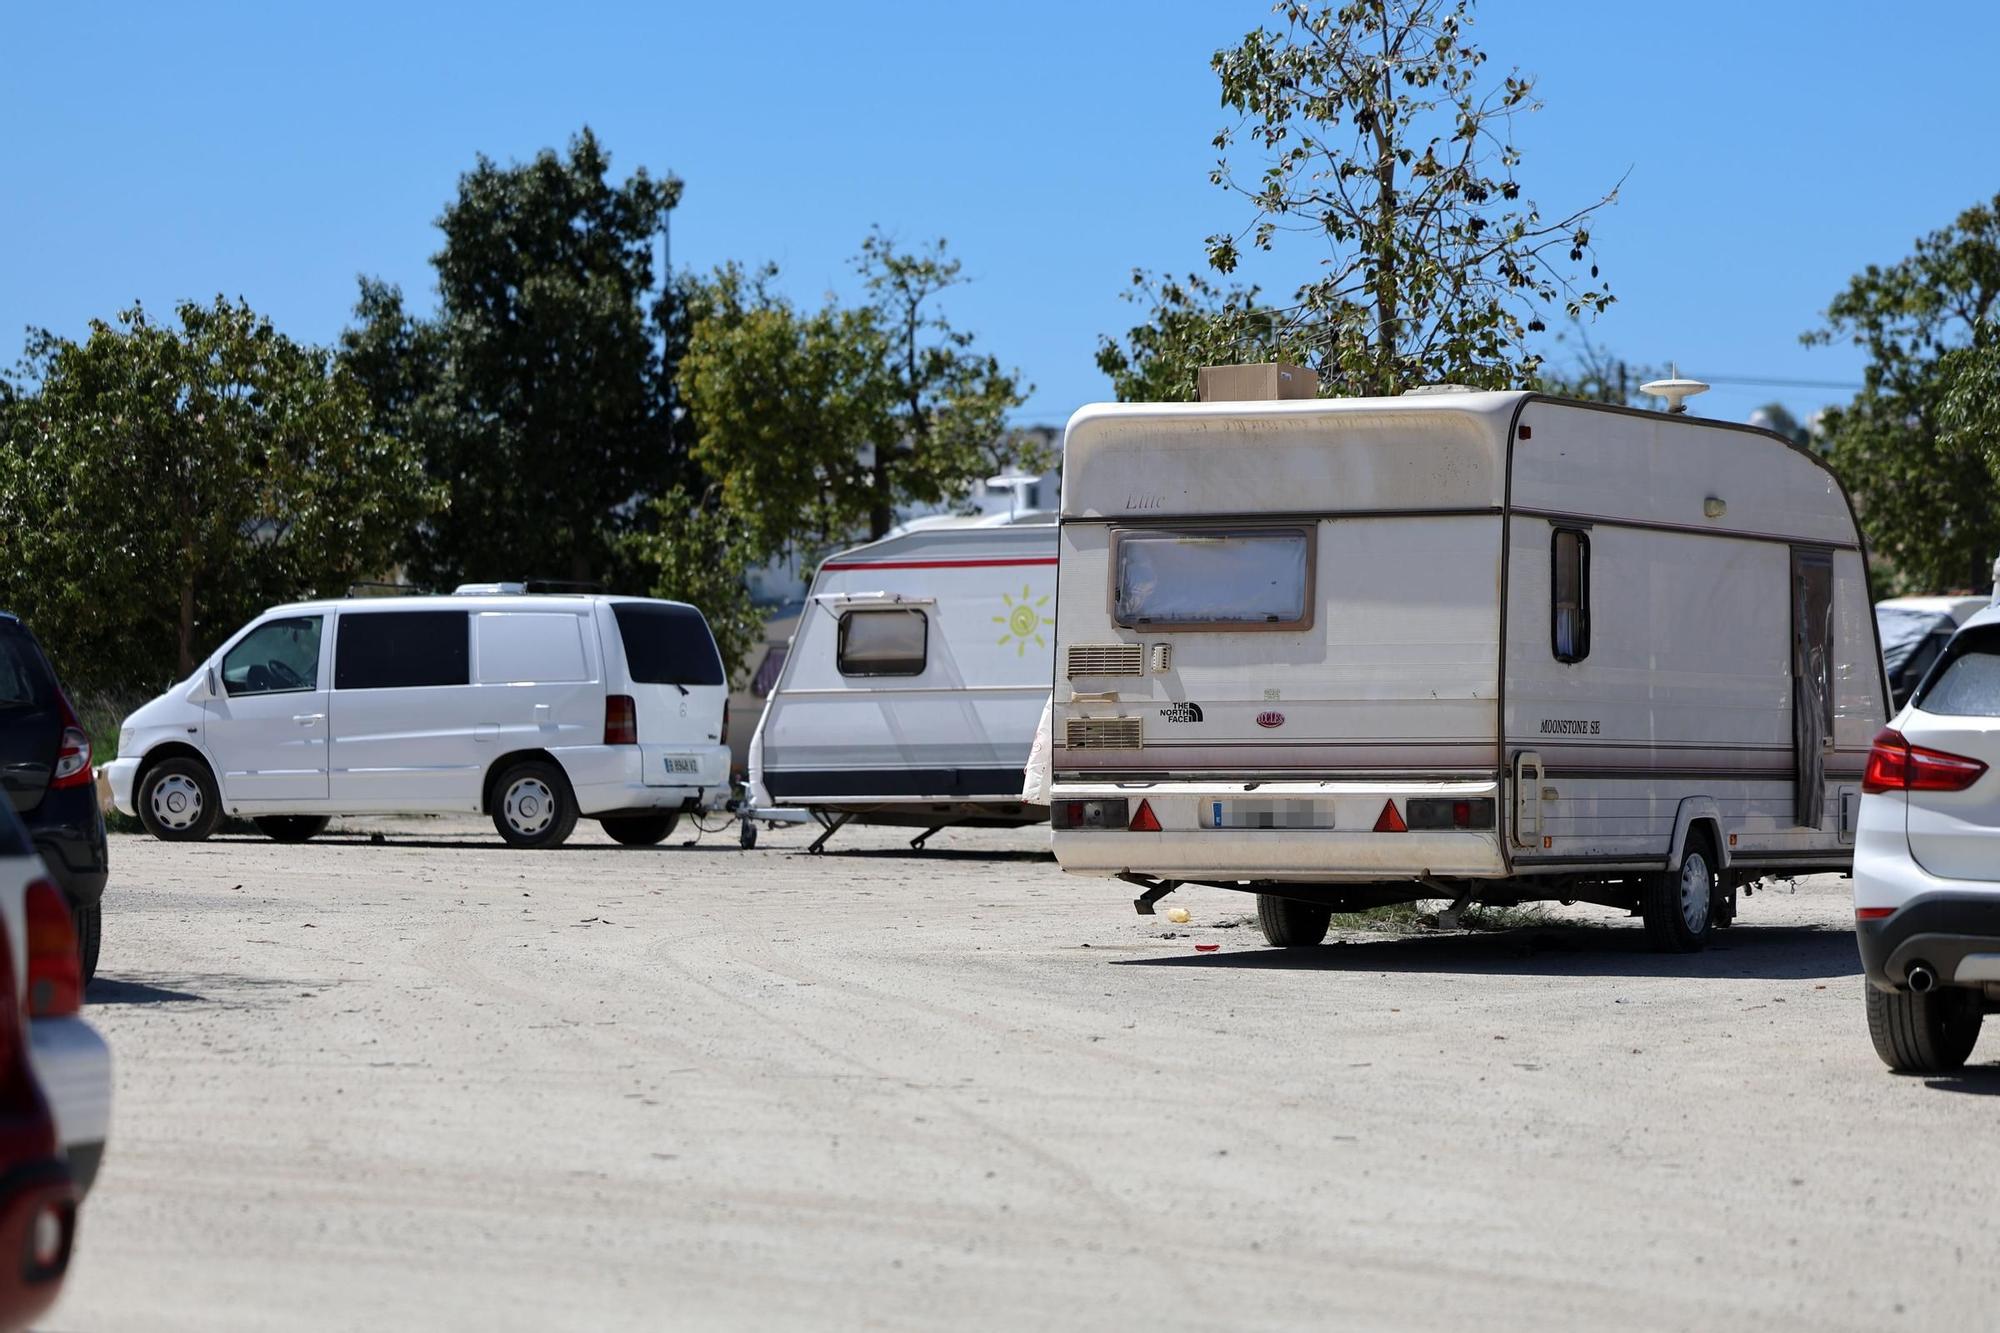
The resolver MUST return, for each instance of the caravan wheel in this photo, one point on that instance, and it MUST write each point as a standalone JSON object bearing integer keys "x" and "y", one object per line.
{"x": 1679, "y": 905}
{"x": 1288, "y": 923}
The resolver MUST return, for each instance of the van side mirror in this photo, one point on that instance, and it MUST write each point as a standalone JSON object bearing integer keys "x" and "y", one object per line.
{"x": 209, "y": 688}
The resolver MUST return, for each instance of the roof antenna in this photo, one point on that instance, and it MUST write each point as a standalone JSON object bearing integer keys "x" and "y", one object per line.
{"x": 1674, "y": 389}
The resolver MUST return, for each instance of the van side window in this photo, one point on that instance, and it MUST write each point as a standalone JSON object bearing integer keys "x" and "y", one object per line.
{"x": 1569, "y": 565}
{"x": 883, "y": 643}
{"x": 390, "y": 650}
{"x": 278, "y": 657}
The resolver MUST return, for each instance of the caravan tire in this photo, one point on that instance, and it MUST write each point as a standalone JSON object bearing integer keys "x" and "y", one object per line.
{"x": 640, "y": 830}
{"x": 1288, "y": 923}
{"x": 1679, "y": 905}
{"x": 1931, "y": 1033}
{"x": 533, "y": 805}
{"x": 291, "y": 828}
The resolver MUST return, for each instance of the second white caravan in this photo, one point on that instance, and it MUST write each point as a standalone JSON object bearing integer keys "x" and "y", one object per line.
{"x": 1492, "y": 647}
{"x": 915, "y": 681}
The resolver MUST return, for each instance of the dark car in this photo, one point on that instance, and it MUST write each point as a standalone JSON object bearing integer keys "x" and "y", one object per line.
{"x": 45, "y": 768}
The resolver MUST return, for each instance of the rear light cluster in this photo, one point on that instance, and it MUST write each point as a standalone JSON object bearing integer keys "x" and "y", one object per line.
{"x": 73, "y": 753}
{"x": 55, "y": 972}
{"x": 1896, "y": 765}
{"x": 1112, "y": 814}
{"x": 621, "y": 720}
{"x": 1426, "y": 813}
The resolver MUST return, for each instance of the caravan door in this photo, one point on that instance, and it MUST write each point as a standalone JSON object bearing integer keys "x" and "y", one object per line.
{"x": 1812, "y": 680}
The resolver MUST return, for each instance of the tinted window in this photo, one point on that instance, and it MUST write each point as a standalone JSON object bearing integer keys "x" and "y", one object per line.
{"x": 278, "y": 657}
{"x": 1968, "y": 685}
{"x": 387, "y": 650}
{"x": 667, "y": 645}
{"x": 1569, "y": 567}
{"x": 24, "y": 679}
{"x": 883, "y": 643}
{"x": 1193, "y": 580}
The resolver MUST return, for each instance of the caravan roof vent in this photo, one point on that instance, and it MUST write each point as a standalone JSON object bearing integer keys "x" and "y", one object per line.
{"x": 1262, "y": 382}
{"x": 1674, "y": 389}
{"x": 1422, "y": 389}
{"x": 489, "y": 590}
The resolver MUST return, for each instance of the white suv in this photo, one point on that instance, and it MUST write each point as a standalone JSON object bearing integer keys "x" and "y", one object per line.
{"x": 1927, "y": 860}
{"x": 533, "y": 709}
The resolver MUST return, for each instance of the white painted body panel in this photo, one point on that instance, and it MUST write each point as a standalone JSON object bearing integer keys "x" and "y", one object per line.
{"x": 959, "y": 731}
{"x": 1684, "y": 700}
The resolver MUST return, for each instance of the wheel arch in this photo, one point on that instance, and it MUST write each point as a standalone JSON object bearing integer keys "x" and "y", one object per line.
{"x": 164, "y": 751}
{"x": 506, "y": 761}
{"x": 1698, "y": 812}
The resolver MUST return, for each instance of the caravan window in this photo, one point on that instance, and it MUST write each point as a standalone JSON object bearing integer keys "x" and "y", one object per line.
{"x": 1214, "y": 580}
{"x": 1569, "y": 565}
{"x": 883, "y": 643}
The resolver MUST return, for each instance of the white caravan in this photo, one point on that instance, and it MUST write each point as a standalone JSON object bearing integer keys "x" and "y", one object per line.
{"x": 915, "y": 682}
{"x": 533, "y": 709}
{"x": 1485, "y": 646}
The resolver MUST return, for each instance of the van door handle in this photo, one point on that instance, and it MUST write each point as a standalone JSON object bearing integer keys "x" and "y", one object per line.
{"x": 309, "y": 719}
{"x": 541, "y": 714}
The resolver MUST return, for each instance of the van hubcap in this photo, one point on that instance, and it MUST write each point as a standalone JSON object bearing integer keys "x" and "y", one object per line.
{"x": 1695, "y": 887}
{"x": 530, "y": 806}
{"x": 176, "y": 801}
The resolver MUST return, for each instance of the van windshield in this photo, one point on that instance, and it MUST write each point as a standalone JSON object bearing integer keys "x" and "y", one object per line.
{"x": 667, "y": 645}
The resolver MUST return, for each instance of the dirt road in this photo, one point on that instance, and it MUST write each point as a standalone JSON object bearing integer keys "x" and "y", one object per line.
{"x": 437, "y": 1083}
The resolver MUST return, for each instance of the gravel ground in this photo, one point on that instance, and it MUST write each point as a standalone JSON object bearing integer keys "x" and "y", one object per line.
{"x": 437, "y": 1083}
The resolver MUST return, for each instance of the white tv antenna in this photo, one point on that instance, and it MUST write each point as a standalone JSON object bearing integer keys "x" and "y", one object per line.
{"x": 1674, "y": 389}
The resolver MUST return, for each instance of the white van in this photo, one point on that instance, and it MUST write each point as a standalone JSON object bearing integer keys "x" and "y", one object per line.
{"x": 533, "y": 709}
{"x": 1489, "y": 647}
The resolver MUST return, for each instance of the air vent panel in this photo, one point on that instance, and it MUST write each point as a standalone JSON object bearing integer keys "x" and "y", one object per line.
{"x": 1102, "y": 733}
{"x": 1104, "y": 659}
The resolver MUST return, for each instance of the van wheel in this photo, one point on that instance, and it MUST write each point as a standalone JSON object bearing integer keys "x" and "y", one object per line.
{"x": 291, "y": 828}
{"x": 640, "y": 830}
{"x": 1288, "y": 923}
{"x": 1932, "y": 1033}
{"x": 1679, "y": 905}
{"x": 89, "y": 923}
{"x": 533, "y": 805}
{"x": 178, "y": 801}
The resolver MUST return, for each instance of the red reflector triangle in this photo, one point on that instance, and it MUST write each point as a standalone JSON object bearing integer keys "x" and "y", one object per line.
{"x": 1144, "y": 820}
{"x": 1389, "y": 821}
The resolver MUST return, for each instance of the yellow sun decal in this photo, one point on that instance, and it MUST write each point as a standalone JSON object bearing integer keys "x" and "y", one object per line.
{"x": 1024, "y": 621}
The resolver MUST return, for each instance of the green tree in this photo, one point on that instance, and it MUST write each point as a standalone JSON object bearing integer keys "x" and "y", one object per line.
{"x": 696, "y": 551}
{"x": 1368, "y": 130}
{"x": 1916, "y": 446}
{"x": 539, "y": 393}
{"x": 819, "y": 424}
{"x": 1191, "y": 323}
{"x": 158, "y": 485}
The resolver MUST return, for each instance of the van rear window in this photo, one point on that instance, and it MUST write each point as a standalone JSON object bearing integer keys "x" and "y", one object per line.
{"x": 667, "y": 645}
{"x": 1214, "y": 580}
{"x": 1968, "y": 684}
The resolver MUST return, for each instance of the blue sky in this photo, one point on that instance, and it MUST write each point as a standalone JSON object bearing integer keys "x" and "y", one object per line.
{"x": 275, "y": 152}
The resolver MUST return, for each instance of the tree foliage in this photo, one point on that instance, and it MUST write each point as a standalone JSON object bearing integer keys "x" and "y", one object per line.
{"x": 1917, "y": 445}
{"x": 817, "y": 424}
{"x": 1190, "y": 323}
{"x": 159, "y": 485}
{"x": 539, "y": 393}
{"x": 1365, "y": 129}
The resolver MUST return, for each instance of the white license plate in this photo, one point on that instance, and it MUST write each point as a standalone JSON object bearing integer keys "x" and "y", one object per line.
{"x": 1267, "y": 814}
{"x": 680, "y": 764}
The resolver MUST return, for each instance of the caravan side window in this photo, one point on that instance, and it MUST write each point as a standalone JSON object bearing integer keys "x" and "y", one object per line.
{"x": 883, "y": 643}
{"x": 1569, "y": 566}
{"x": 1213, "y": 580}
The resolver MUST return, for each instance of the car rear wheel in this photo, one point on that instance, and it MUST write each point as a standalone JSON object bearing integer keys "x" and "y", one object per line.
{"x": 1679, "y": 905}
{"x": 1932, "y": 1033}
{"x": 1288, "y": 923}
{"x": 640, "y": 830}
{"x": 89, "y": 923}
{"x": 291, "y": 828}
{"x": 533, "y": 805}
{"x": 178, "y": 801}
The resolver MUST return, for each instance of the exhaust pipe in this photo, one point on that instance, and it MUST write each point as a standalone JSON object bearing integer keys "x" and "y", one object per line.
{"x": 1922, "y": 980}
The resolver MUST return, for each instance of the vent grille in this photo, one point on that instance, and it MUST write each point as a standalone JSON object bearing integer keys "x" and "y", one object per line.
{"x": 1105, "y": 659}
{"x": 1163, "y": 657}
{"x": 1102, "y": 733}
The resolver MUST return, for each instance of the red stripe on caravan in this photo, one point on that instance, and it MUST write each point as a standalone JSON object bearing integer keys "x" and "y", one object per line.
{"x": 937, "y": 564}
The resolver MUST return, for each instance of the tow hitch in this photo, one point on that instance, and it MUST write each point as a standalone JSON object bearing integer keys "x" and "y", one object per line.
{"x": 1155, "y": 889}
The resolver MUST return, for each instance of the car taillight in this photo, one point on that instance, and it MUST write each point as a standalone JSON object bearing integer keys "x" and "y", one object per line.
{"x": 55, "y": 973}
{"x": 73, "y": 754}
{"x": 1896, "y": 765}
{"x": 621, "y": 720}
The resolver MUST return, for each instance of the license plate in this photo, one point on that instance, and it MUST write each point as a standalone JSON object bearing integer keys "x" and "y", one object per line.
{"x": 673, "y": 764}
{"x": 1267, "y": 814}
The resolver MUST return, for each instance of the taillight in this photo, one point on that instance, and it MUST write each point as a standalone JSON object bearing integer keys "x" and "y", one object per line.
{"x": 1112, "y": 814}
{"x": 1896, "y": 765}
{"x": 1441, "y": 812}
{"x": 621, "y": 720}
{"x": 55, "y": 974}
{"x": 1873, "y": 913}
{"x": 73, "y": 754}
